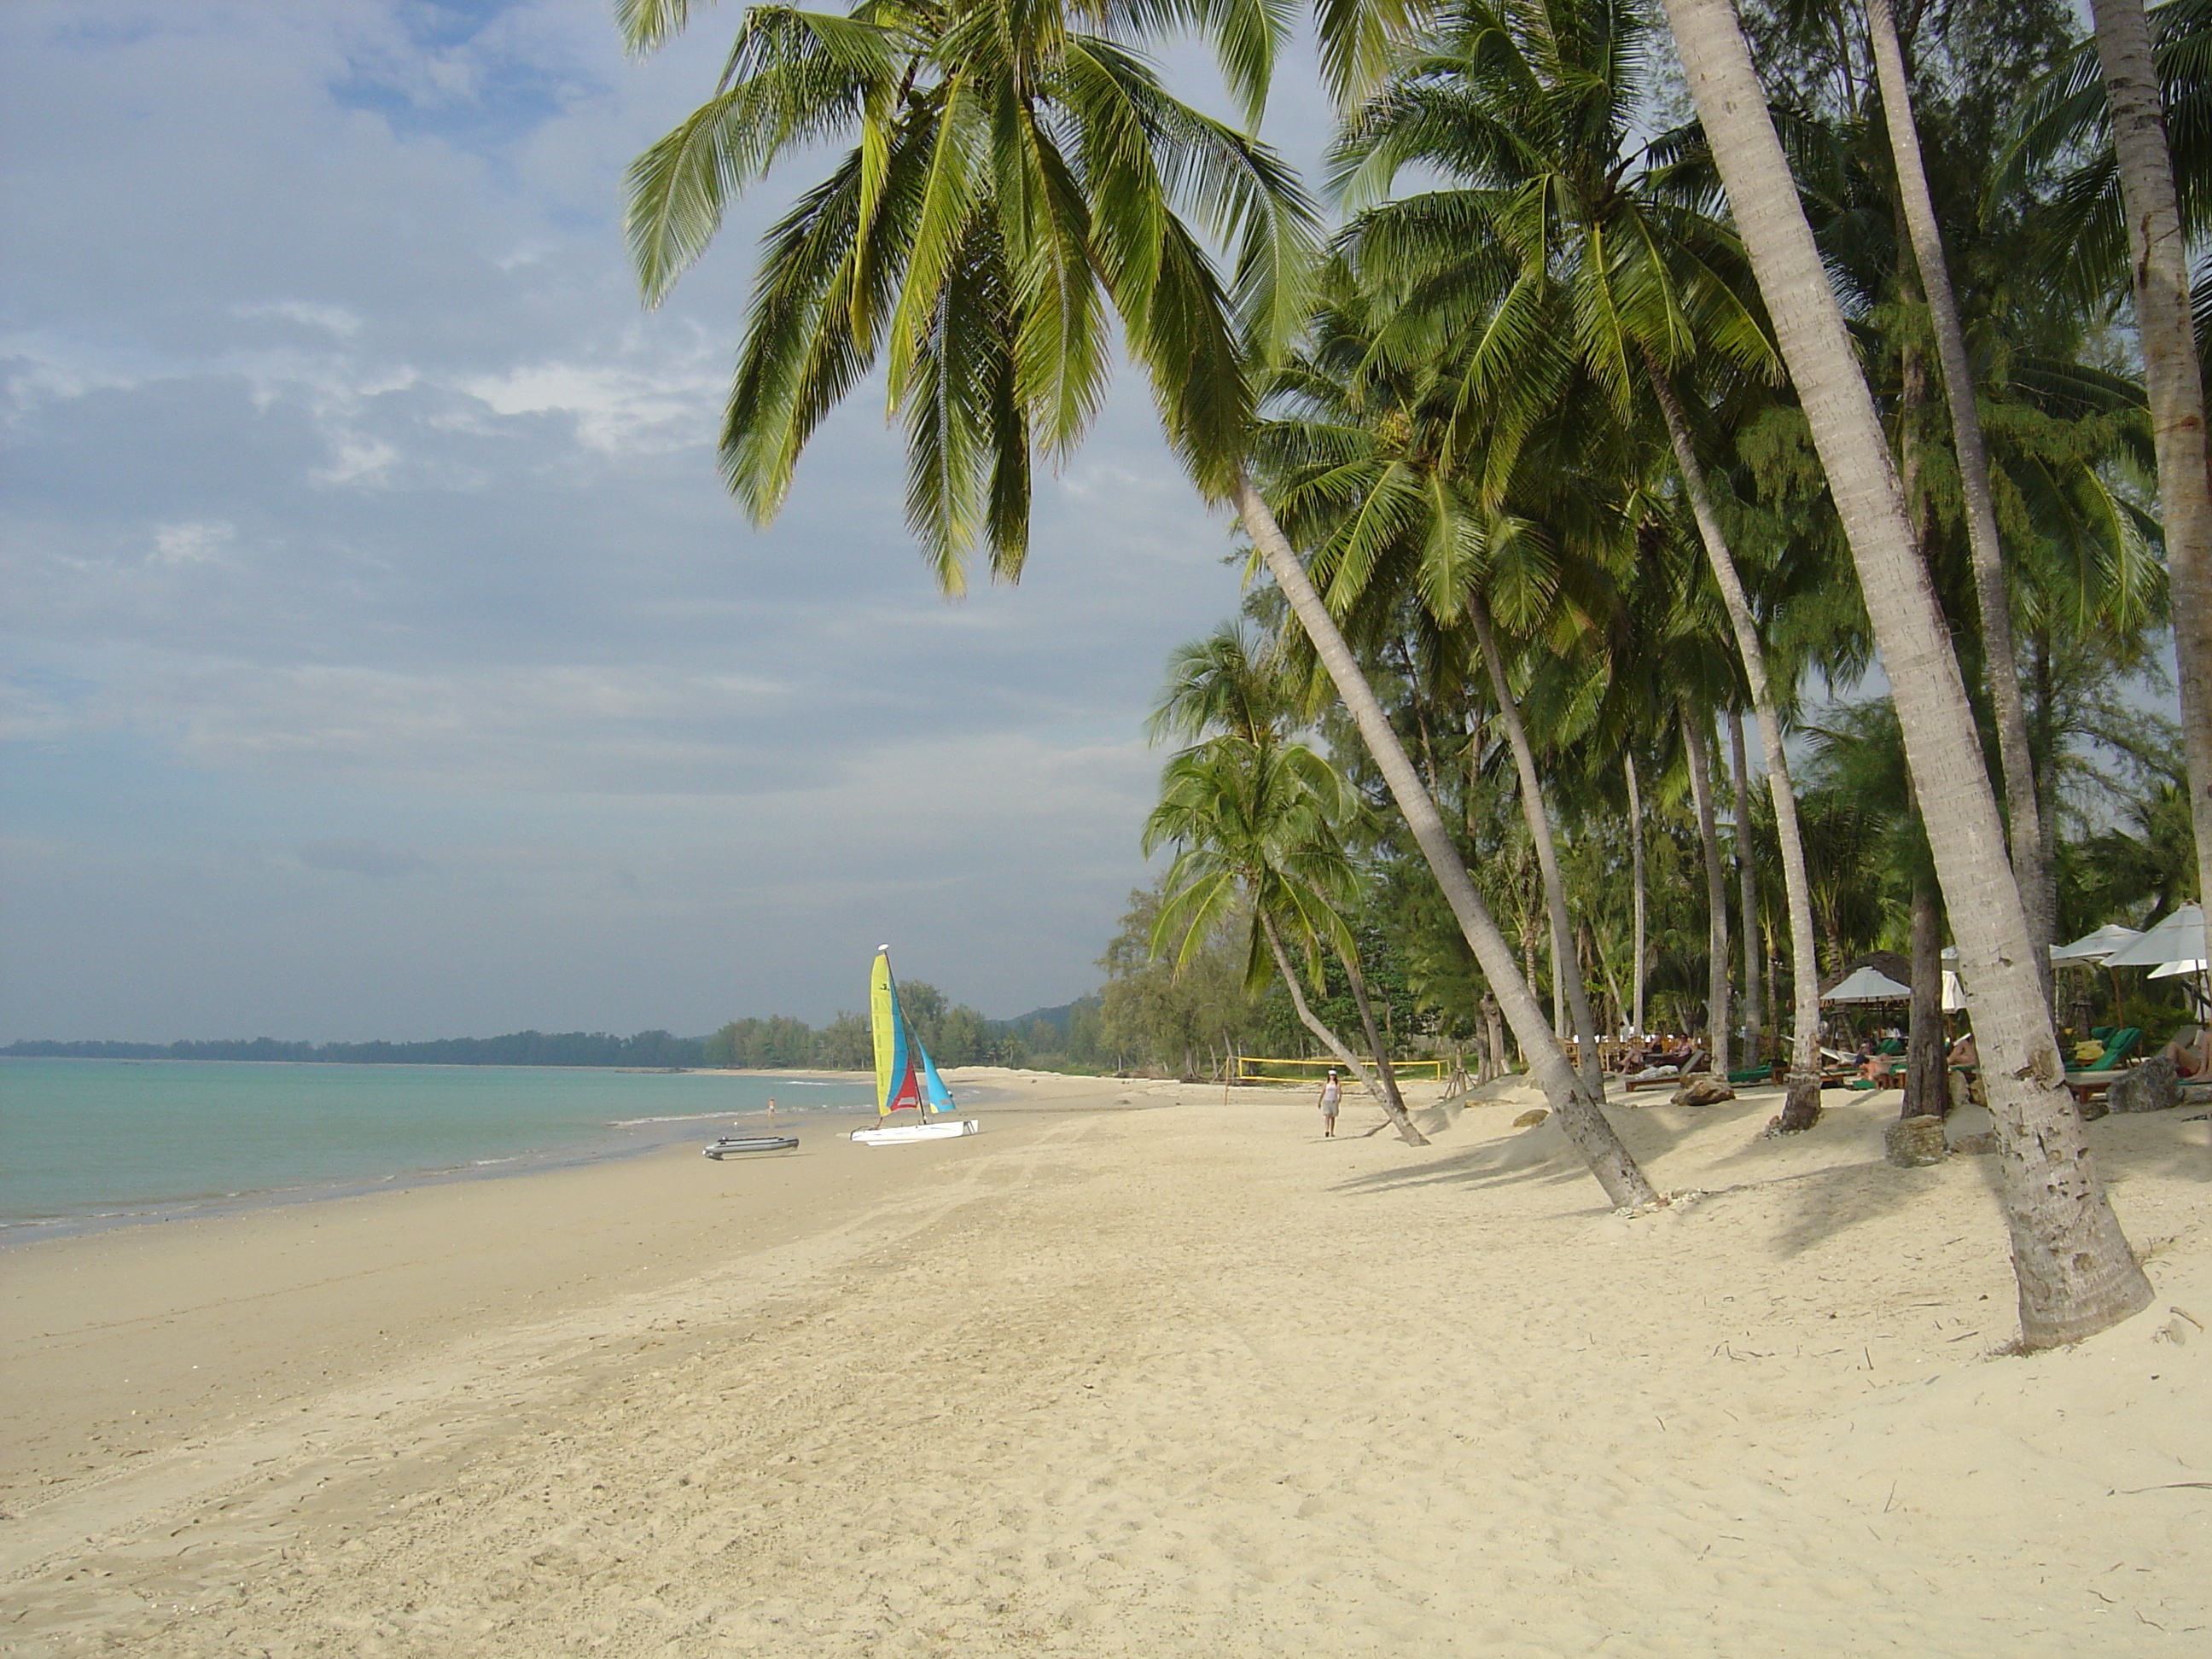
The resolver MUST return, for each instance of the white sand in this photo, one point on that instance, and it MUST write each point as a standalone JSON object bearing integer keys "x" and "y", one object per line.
{"x": 1180, "y": 1381}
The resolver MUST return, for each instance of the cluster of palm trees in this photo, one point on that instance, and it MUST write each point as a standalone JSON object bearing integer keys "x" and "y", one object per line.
{"x": 1594, "y": 419}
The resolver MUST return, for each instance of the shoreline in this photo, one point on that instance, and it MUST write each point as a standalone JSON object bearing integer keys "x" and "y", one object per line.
{"x": 98, "y": 1320}
{"x": 1184, "y": 1379}
{"x": 609, "y": 1139}
{"x": 605, "y": 1144}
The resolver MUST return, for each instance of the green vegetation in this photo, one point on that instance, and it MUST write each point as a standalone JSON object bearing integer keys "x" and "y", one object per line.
{"x": 1609, "y": 441}
{"x": 954, "y": 1033}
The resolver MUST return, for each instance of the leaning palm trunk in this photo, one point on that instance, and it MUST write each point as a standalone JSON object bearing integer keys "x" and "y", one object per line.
{"x": 1394, "y": 1102}
{"x": 1566, "y": 965}
{"x": 1716, "y": 927}
{"x": 1636, "y": 859}
{"x": 2075, "y": 1273}
{"x": 1747, "y": 892}
{"x": 1994, "y": 605}
{"x": 2173, "y": 379}
{"x": 1578, "y": 1114}
{"x": 1335, "y": 1044}
{"x": 1801, "y": 1100}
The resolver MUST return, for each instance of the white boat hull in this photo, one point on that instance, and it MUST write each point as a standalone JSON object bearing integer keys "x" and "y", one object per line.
{"x": 904, "y": 1133}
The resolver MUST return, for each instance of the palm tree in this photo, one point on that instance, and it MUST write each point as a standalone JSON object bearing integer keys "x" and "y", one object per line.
{"x": 2173, "y": 374}
{"x": 1566, "y": 968}
{"x": 1697, "y": 757}
{"x": 1530, "y": 109}
{"x": 1020, "y": 183}
{"x": 1858, "y": 758}
{"x": 1363, "y": 471}
{"x": 2075, "y": 1273}
{"x": 1226, "y": 682}
{"x": 1635, "y": 846}
{"x": 1747, "y": 891}
{"x": 1258, "y": 823}
{"x": 1989, "y": 589}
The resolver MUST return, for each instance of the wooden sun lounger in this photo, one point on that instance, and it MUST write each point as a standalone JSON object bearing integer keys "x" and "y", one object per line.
{"x": 1700, "y": 1064}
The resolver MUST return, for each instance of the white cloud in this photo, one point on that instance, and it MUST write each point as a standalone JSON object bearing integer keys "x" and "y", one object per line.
{"x": 358, "y": 518}
{"x": 616, "y": 408}
{"x": 193, "y": 543}
{"x": 569, "y": 728}
{"x": 357, "y": 460}
{"x": 333, "y": 320}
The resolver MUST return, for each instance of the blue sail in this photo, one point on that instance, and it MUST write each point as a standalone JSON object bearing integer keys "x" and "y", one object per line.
{"x": 936, "y": 1097}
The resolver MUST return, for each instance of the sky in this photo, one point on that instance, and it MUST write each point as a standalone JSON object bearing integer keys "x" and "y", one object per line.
{"x": 383, "y": 656}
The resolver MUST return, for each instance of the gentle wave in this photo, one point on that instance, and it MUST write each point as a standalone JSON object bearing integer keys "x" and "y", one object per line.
{"x": 112, "y": 1143}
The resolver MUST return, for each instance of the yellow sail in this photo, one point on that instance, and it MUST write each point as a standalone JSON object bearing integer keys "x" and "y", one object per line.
{"x": 883, "y": 1025}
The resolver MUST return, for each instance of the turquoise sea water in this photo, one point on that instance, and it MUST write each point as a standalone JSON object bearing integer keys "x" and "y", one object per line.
{"x": 98, "y": 1142}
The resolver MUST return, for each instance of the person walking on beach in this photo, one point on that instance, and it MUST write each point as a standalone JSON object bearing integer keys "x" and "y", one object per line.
{"x": 1331, "y": 1097}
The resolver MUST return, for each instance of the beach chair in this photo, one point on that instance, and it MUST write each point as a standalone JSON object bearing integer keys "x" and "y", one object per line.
{"x": 1696, "y": 1060}
{"x": 2092, "y": 1079}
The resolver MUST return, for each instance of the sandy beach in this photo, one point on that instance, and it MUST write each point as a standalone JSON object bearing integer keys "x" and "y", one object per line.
{"x": 1135, "y": 1371}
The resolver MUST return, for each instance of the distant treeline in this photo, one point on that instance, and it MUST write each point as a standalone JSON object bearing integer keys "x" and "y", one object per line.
{"x": 517, "y": 1048}
{"x": 954, "y": 1033}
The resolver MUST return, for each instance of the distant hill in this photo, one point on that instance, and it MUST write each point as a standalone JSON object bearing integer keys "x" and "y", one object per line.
{"x": 654, "y": 1048}
{"x": 1019, "y": 1025}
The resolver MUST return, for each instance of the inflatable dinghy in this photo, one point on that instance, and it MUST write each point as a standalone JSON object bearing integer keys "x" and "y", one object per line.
{"x": 729, "y": 1143}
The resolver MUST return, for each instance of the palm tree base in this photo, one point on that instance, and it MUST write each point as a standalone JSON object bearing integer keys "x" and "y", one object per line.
{"x": 1801, "y": 1105}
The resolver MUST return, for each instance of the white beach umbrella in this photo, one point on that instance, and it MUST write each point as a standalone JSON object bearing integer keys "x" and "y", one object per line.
{"x": 2057, "y": 952}
{"x": 2095, "y": 947}
{"x": 2178, "y": 939}
{"x": 1869, "y": 984}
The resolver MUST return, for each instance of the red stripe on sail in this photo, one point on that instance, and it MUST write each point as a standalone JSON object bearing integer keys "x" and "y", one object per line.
{"x": 907, "y": 1093}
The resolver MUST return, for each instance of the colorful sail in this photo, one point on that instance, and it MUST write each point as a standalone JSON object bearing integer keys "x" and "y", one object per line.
{"x": 906, "y": 1077}
{"x": 896, "y": 1083}
{"x": 933, "y": 1086}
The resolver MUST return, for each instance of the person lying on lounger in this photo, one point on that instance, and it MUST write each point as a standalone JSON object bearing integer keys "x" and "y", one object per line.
{"x": 2191, "y": 1051}
{"x": 1877, "y": 1068}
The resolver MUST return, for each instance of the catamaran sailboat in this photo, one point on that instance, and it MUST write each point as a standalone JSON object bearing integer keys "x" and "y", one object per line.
{"x": 906, "y": 1077}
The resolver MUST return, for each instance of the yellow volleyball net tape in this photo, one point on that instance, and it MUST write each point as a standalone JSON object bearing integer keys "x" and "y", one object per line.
{"x": 1262, "y": 1068}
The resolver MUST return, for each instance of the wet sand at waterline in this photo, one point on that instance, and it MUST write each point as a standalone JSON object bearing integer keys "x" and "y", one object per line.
{"x": 1181, "y": 1380}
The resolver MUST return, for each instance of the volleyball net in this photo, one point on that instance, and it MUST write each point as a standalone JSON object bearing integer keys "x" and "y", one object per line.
{"x": 1260, "y": 1068}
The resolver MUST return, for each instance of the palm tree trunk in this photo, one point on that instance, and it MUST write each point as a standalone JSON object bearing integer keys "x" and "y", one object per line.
{"x": 1494, "y": 1039}
{"x": 2075, "y": 1274}
{"x": 2173, "y": 378}
{"x": 1801, "y": 1100}
{"x": 1566, "y": 966}
{"x": 1393, "y": 1103}
{"x": 1636, "y": 859}
{"x": 1335, "y": 1044}
{"x": 1577, "y": 1111}
{"x": 2029, "y": 868}
{"x": 1746, "y": 889}
{"x": 1716, "y": 925}
{"x": 1927, "y": 1076}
